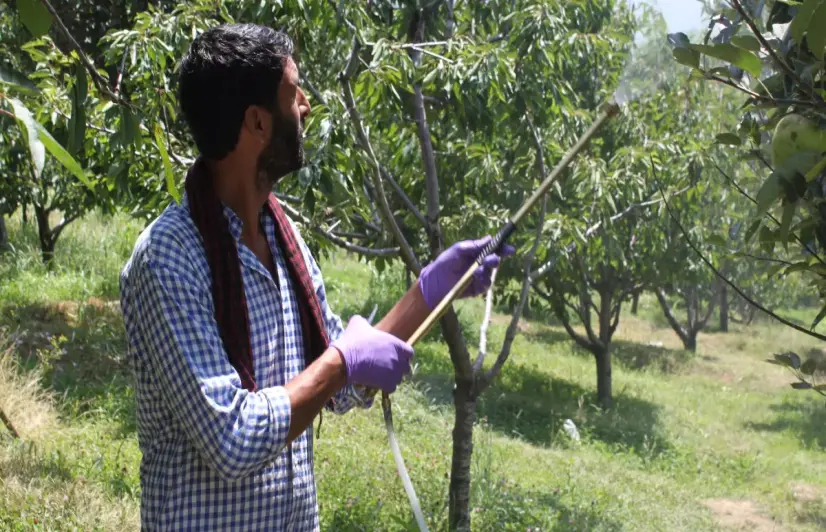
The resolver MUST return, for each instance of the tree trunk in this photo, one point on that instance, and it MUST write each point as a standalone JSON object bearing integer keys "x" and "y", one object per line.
{"x": 45, "y": 235}
{"x": 459, "y": 506}
{"x": 25, "y": 214}
{"x": 690, "y": 340}
{"x": 4, "y": 234}
{"x": 723, "y": 307}
{"x": 635, "y": 301}
{"x": 604, "y": 379}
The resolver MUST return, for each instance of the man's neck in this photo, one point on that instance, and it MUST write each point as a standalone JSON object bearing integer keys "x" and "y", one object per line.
{"x": 236, "y": 185}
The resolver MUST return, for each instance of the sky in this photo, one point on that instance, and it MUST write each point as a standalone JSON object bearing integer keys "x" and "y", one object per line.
{"x": 680, "y": 15}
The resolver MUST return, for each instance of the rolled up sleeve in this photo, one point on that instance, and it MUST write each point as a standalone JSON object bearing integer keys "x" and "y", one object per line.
{"x": 235, "y": 430}
{"x": 349, "y": 396}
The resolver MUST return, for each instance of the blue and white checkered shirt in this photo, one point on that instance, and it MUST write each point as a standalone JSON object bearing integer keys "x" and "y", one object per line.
{"x": 215, "y": 455}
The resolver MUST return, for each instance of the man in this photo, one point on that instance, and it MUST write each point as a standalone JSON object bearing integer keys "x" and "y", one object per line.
{"x": 233, "y": 345}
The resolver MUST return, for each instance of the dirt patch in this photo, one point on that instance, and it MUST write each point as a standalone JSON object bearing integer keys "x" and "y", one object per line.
{"x": 741, "y": 515}
{"x": 808, "y": 492}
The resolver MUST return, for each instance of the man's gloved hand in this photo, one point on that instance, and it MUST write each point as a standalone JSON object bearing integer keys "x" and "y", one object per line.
{"x": 373, "y": 358}
{"x": 438, "y": 277}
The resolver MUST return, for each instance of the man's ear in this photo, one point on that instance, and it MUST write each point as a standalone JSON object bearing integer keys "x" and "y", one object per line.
{"x": 258, "y": 123}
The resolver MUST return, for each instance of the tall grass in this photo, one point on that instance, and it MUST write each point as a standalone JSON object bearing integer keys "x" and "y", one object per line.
{"x": 88, "y": 258}
{"x": 721, "y": 425}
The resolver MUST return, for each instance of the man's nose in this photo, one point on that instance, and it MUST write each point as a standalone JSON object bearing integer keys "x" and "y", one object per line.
{"x": 303, "y": 105}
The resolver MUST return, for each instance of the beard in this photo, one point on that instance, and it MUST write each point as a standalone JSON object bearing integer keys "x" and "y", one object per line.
{"x": 284, "y": 154}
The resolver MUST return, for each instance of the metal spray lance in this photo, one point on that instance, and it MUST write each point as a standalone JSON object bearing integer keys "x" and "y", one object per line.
{"x": 608, "y": 110}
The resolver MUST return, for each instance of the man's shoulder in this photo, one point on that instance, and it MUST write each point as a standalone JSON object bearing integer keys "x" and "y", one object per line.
{"x": 170, "y": 240}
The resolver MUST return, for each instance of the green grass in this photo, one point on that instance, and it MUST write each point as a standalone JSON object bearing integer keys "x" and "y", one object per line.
{"x": 720, "y": 425}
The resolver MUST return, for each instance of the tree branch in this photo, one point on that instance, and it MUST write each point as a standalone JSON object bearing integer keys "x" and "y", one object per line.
{"x": 776, "y": 58}
{"x": 615, "y": 318}
{"x": 404, "y": 197}
{"x": 563, "y": 317}
{"x": 510, "y": 334}
{"x": 765, "y": 259}
{"x": 431, "y": 177}
{"x": 370, "y": 252}
{"x": 98, "y": 79}
{"x": 7, "y": 422}
{"x": 669, "y": 315}
{"x": 768, "y": 214}
{"x": 760, "y": 97}
{"x": 316, "y": 94}
{"x": 450, "y": 20}
{"x": 344, "y": 78}
{"x": 62, "y": 225}
{"x": 702, "y": 323}
{"x": 723, "y": 277}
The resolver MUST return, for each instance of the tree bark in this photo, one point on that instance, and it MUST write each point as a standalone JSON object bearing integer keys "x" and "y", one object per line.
{"x": 723, "y": 307}
{"x": 672, "y": 319}
{"x": 4, "y": 234}
{"x": 635, "y": 302}
{"x": 45, "y": 235}
{"x": 464, "y": 400}
{"x": 604, "y": 378}
{"x": 690, "y": 341}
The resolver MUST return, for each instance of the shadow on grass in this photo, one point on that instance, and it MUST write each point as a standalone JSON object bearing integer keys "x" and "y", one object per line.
{"x": 629, "y": 355}
{"x": 25, "y": 462}
{"x": 80, "y": 348}
{"x": 806, "y": 420}
{"x": 812, "y": 513}
{"x": 497, "y": 504}
{"x": 530, "y": 404}
{"x": 636, "y": 356}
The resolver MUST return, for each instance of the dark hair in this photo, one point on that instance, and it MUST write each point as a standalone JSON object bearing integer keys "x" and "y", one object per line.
{"x": 227, "y": 69}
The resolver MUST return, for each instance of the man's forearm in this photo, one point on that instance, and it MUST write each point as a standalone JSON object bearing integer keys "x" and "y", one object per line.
{"x": 406, "y": 315}
{"x": 310, "y": 390}
{"x": 313, "y": 387}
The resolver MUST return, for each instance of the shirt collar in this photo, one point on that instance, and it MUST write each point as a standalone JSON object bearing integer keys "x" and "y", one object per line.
{"x": 236, "y": 225}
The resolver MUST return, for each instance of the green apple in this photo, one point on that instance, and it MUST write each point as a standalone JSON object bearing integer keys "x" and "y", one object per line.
{"x": 798, "y": 143}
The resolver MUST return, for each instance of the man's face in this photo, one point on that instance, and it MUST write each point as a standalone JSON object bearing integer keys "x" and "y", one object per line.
{"x": 285, "y": 151}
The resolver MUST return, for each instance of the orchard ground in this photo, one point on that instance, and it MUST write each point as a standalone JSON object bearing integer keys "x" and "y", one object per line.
{"x": 715, "y": 440}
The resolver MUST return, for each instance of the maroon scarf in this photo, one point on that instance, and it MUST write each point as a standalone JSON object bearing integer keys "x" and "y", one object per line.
{"x": 228, "y": 295}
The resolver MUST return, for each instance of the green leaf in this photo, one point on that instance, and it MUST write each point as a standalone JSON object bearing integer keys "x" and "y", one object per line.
{"x": 789, "y": 359}
{"x": 809, "y": 367}
{"x": 816, "y": 169}
{"x": 768, "y": 193}
{"x": 63, "y": 157}
{"x": 801, "y": 21}
{"x": 9, "y": 76}
{"x": 801, "y": 385}
{"x": 309, "y": 201}
{"x": 77, "y": 122}
{"x": 819, "y": 317}
{"x": 755, "y": 225}
{"x": 171, "y": 187}
{"x": 716, "y": 240}
{"x": 816, "y": 36}
{"x": 687, "y": 57}
{"x": 746, "y": 42}
{"x": 129, "y": 131}
{"x": 736, "y": 56}
{"x": 728, "y": 138}
{"x": 786, "y": 221}
{"x": 29, "y": 127}
{"x": 35, "y": 16}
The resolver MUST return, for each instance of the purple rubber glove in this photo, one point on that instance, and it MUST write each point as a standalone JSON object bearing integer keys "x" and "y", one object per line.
{"x": 373, "y": 358}
{"x": 438, "y": 277}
